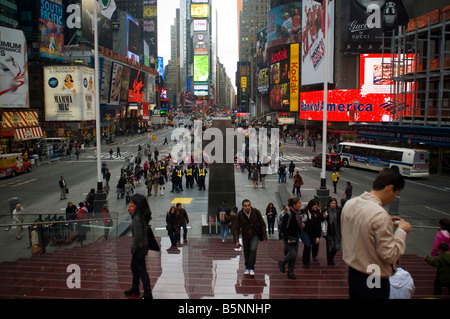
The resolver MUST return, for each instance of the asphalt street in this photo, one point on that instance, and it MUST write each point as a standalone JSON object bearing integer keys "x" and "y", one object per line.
{"x": 423, "y": 201}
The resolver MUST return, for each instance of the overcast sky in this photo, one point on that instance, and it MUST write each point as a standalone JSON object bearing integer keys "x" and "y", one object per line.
{"x": 228, "y": 37}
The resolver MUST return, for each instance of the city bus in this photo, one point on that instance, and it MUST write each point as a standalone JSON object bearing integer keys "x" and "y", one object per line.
{"x": 410, "y": 162}
{"x": 13, "y": 163}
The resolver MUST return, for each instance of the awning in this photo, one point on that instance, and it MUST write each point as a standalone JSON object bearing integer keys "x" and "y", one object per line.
{"x": 29, "y": 133}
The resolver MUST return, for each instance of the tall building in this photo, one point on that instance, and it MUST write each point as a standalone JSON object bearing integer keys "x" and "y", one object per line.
{"x": 252, "y": 17}
{"x": 194, "y": 77}
{"x": 8, "y": 14}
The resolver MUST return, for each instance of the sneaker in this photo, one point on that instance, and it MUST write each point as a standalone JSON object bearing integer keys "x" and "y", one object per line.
{"x": 252, "y": 272}
{"x": 247, "y": 272}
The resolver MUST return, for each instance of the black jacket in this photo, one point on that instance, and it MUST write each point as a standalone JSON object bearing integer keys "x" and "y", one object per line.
{"x": 289, "y": 226}
{"x": 248, "y": 226}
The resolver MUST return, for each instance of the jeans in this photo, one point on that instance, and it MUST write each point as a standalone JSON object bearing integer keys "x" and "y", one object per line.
{"x": 224, "y": 229}
{"x": 306, "y": 257}
{"x": 250, "y": 248}
{"x": 291, "y": 251}
{"x": 184, "y": 226}
{"x": 139, "y": 271}
{"x": 271, "y": 225}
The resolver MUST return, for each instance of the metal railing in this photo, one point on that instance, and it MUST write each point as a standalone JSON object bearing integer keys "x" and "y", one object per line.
{"x": 54, "y": 233}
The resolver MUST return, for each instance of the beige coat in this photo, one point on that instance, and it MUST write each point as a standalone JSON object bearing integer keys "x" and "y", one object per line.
{"x": 368, "y": 236}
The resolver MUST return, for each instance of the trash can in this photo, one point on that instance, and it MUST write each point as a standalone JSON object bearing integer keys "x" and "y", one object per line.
{"x": 12, "y": 203}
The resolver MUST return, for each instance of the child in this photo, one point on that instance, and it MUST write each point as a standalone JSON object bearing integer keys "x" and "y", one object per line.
{"x": 442, "y": 262}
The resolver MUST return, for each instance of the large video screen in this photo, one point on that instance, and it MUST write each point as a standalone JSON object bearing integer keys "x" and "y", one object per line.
{"x": 370, "y": 103}
{"x": 201, "y": 68}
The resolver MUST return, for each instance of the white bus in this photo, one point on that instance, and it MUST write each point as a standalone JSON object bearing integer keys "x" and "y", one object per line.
{"x": 410, "y": 162}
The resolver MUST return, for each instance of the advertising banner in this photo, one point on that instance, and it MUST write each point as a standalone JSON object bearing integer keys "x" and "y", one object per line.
{"x": 51, "y": 29}
{"x": 294, "y": 77}
{"x": 200, "y": 44}
{"x": 366, "y": 20}
{"x": 371, "y": 103}
{"x": 116, "y": 83}
{"x": 14, "y": 69}
{"x": 262, "y": 55}
{"x": 284, "y": 24}
{"x": 313, "y": 42}
{"x": 201, "y": 68}
{"x": 279, "y": 79}
{"x": 69, "y": 93}
{"x": 199, "y": 10}
{"x": 105, "y": 86}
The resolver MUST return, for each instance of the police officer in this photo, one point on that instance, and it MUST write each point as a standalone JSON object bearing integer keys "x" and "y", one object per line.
{"x": 189, "y": 174}
{"x": 201, "y": 177}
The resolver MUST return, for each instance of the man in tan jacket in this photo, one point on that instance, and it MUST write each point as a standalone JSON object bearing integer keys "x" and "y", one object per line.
{"x": 372, "y": 240}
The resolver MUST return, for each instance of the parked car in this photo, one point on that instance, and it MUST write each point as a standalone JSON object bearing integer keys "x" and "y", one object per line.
{"x": 333, "y": 161}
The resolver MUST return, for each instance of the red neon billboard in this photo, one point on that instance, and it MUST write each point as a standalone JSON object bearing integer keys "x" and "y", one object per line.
{"x": 370, "y": 103}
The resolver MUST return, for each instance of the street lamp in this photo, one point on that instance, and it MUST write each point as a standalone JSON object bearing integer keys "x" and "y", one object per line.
{"x": 323, "y": 193}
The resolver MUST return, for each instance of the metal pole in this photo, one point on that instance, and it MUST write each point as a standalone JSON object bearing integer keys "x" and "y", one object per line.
{"x": 323, "y": 194}
{"x": 98, "y": 137}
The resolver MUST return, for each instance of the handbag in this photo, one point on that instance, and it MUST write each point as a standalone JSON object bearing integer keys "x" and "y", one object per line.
{"x": 67, "y": 190}
{"x": 152, "y": 243}
{"x": 324, "y": 226}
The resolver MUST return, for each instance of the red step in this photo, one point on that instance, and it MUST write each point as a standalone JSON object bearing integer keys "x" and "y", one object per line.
{"x": 204, "y": 267}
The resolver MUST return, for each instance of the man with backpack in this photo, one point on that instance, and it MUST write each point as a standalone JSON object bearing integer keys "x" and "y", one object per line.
{"x": 223, "y": 217}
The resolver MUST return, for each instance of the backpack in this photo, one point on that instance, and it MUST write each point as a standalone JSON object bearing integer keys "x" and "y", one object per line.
{"x": 223, "y": 218}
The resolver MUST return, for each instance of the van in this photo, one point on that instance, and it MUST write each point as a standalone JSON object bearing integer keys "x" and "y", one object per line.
{"x": 13, "y": 163}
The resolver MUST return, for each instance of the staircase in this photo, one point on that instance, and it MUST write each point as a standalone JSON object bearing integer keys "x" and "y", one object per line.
{"x": 200, "y": 268}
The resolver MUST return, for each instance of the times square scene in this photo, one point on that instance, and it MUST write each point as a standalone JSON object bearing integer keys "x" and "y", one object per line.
{"x": 159, "y": 150}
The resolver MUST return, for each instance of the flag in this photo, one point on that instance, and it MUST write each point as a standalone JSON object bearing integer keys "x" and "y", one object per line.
{"x": 107, "y": 8}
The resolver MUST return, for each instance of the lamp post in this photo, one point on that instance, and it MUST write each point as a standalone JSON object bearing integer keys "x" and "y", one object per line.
{"x": 323, "y": 193}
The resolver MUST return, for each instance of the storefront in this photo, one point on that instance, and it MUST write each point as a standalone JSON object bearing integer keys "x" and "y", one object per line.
{"x": 20, "y": 130}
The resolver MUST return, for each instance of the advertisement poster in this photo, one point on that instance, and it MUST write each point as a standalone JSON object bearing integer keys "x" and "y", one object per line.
{"x": 69, "y": 93}
{"x": 201, "y": 68}
{"x": 284, "y": 24}
{"x": 14, "y": 66}
{"x": 280, "y": 79}
{"x": 51, "y": 30}
{"x": 367, "y": 20}
{"x": 116, "y": 83}
{"x": 371, "y": 103}
{"x": 106, "y": 80}
{"x": 313, "y": 42}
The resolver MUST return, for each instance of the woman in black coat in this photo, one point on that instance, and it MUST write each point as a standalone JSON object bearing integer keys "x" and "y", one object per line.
{"x": 332, "y": 215}
{"x": 312, "y": 217}
{"x": 140, "y": 217}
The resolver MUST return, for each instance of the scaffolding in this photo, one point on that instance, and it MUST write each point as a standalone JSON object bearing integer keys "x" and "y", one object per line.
{"x": 419, "y": 65}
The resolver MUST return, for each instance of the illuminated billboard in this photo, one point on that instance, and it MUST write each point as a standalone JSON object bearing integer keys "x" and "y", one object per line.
{"x": 280, "y": 79}
{"x": 69, "y": 93}
{"x": 371, "y": 103}
{"x": 313, "y": 42}
{"x": 51, "y": 29}
{"x": 14, "y": 69}
{"x": 284, "y": 24}
{"x": 199, "y": 10}
{"x": 201, "y": 68}
{"x": 200, "y": 25}
{"x": 133, "y": 39}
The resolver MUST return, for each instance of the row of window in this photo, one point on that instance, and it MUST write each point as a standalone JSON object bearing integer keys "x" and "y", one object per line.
{"x": 371, "y": 152}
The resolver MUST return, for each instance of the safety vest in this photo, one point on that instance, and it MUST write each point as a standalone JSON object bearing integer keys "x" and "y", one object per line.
{"x": 162, "y": 167}
{"x": 189, "y": 172}
{"x": 179, "y": 173}
{"x": 201, "y": 172}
